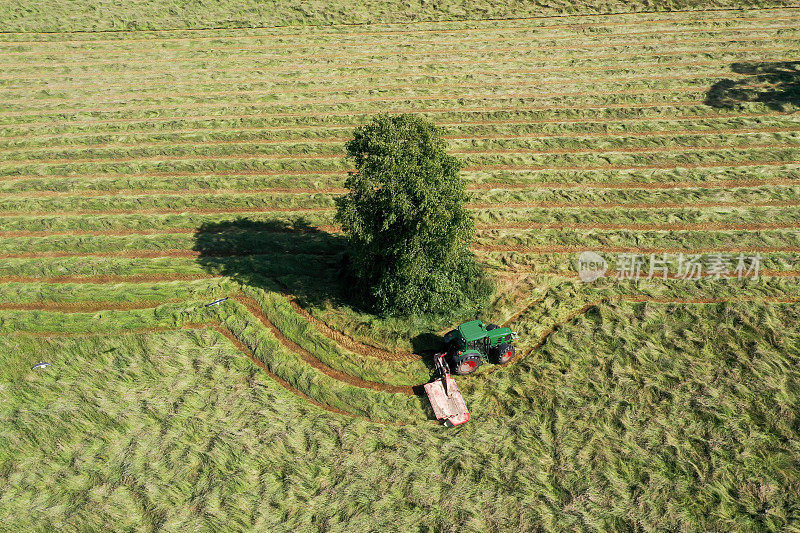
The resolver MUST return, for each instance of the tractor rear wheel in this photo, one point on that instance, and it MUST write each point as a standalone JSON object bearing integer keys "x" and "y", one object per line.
{"x": 490, "y": 327}
{"x": 504, "y": 353}
{"x": 467, "y": 365}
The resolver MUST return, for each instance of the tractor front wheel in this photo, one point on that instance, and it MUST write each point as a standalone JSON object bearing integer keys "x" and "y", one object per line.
{"x": 504, "y": 354}
{"x": 467, "y": 365}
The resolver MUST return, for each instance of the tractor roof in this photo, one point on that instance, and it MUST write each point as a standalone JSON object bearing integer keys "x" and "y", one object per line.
{"x": 472, "y": 330}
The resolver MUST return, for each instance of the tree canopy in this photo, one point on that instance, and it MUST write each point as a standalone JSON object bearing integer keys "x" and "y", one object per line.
{"x": 405, "y": 220}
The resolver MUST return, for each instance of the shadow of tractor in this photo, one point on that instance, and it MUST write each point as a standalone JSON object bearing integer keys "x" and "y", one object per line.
{"x": 775, "y": 84}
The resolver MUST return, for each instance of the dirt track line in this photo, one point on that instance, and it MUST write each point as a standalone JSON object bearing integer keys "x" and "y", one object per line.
{"x": 200, "y": 211}
{"x": 768, "y": 273}
{"x": 634, "y": 249}
{"x": 166, "y": 157}
{"x": 634, "y": 205}
{"x": 637, "y": 299}
{"x": 125, "y": 232}
{"x": 496, "y": 23}
{"x": 719, "y": 184}
{"x": 282, "y": 382}
{"x": 699, "y": 226}
{"x": 348, "y": 342}
{"x": 108, "y": 278}
{"x": 256, "y": 156}
{"x": 169, "y": 192}
{"x": 532, "y": 168}
{"x": 337, "y": 140}
{"x": 239, "y": 173}
{"x": 308, "y": 357}
{"x": 239, "y": 116}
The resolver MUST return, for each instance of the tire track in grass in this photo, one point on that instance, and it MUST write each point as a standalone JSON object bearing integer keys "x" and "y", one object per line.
{"x": 280, "y": 381}
{"x": 631, "y": 298}
{"x": 348, "y": 342}
{"x": 252, "y": 307}
{"x": 255, "y": 309}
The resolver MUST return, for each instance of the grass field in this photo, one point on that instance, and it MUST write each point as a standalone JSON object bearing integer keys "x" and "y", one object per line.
{"x": 144, "y": 175}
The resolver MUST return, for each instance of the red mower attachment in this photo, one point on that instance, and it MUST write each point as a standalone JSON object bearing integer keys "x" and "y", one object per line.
{"x": 446, "y": 400}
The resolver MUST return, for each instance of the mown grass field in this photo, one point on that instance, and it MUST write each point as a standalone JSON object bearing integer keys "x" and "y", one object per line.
{"x": 144, "y": 175}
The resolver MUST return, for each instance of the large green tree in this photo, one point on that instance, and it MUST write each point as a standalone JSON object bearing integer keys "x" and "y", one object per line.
{"x": 405, "y": 221}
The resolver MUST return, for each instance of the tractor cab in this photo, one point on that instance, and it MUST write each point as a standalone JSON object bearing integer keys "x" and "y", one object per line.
{"x": 473, "y": 343}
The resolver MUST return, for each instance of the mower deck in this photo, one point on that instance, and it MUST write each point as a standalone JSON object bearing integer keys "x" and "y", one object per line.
{"x": 446, "y": 400}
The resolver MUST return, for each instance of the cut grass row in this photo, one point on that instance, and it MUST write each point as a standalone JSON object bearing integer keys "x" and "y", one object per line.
{"x": 781, "y": 44}
{"x": 253, "y": 268}
{"x": 504, "y": 216}
{"x": 461, "y": 147}
{"x": 280, "y": 107}
{"x": 333, "y": 183}
{"x": 221, "y": 131}
{"x": 249, "y": 330}
{"x": 505, "y": 239}
{"x": 478, "y": 121}
{"x": 448, "y": 24}
{"x": 569, "y": 159}
{"x": 765, "y": 195}
{"x": 498, "y": 31}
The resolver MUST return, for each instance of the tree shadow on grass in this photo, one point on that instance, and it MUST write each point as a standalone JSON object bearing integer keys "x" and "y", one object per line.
{"x": 290, "y": 258}
{"x": 775, "y": 84}
{"x": 286, "y": 257}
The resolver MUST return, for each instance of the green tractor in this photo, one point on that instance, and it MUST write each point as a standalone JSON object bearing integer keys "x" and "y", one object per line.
{"x": 473, "y": 343}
